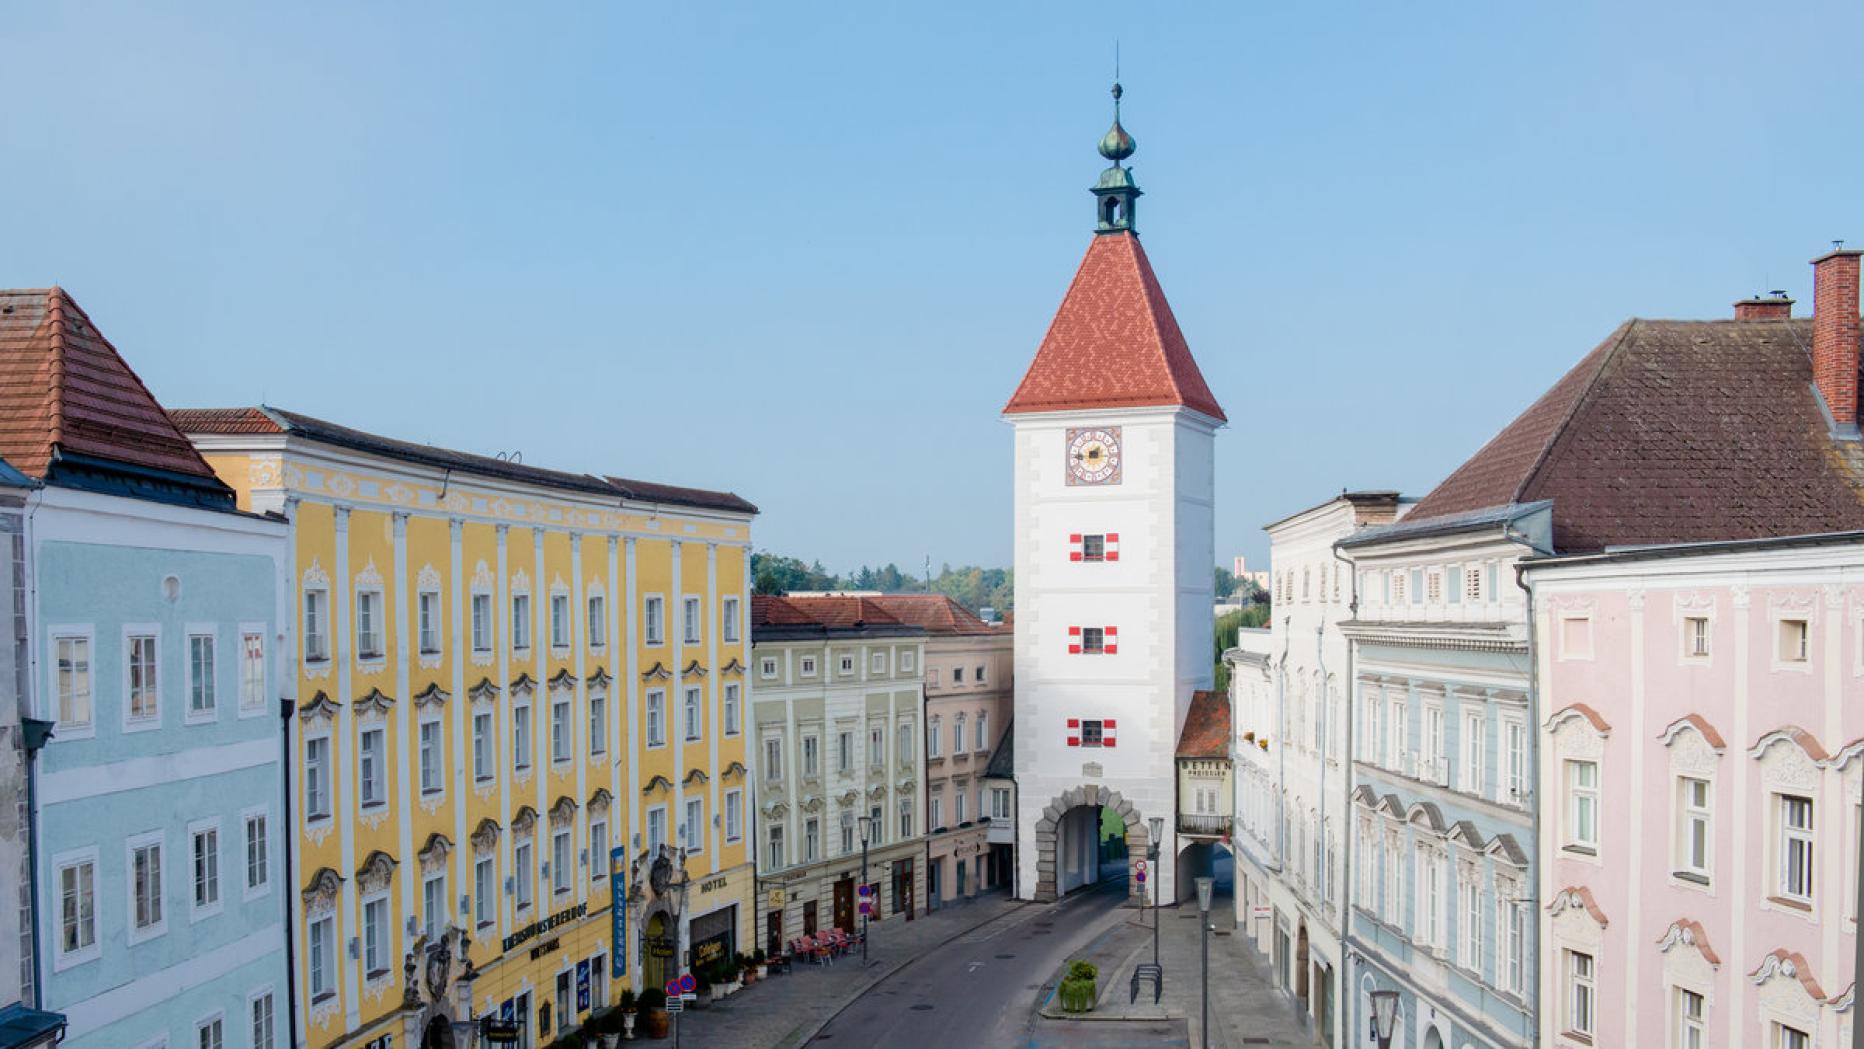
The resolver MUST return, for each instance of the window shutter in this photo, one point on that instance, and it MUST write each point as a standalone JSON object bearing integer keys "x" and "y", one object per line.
{"x": 1074, "y": 640}
{"x": 1111, "y": 646}
{"x": 1074, "y": 546}
{"x": 1113, "y": 546}
{"x": 1074, "y": 732}
{"x": 1106, "y": 733}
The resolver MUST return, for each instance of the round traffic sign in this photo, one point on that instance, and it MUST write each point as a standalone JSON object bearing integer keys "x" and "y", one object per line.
{"x": 687, "y": 983}
{"x": 1140, "y": 866}
{"x": 1142, "y": 877}
{"x": 673, "y": 988}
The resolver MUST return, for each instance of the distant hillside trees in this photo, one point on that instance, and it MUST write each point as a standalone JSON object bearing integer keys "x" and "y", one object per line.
{"x": 971, "y": 586}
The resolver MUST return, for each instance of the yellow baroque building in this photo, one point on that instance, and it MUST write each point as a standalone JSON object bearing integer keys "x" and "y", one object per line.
{"x": 518, "y": 690}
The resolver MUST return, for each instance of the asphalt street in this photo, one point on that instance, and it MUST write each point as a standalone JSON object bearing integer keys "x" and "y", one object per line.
{"x": 982, "y": 988}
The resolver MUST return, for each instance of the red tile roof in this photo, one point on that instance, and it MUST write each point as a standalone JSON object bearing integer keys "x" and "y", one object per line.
{"x": 1206, "y": 732}
{"x": 829, "y": 611}
{"x": 1669, "y": 432}
{"x": 937, "y": 613}
{"x": 64, "y": 390}
{"x": 1114, "y": 342}
{"x": 224, "y": 420}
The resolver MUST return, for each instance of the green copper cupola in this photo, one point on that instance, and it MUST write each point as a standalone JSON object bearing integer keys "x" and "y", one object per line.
{"x": 1116, "y": 192}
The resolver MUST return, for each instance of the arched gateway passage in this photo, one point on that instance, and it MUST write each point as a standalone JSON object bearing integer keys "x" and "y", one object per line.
{"x": 1068, "y": 840}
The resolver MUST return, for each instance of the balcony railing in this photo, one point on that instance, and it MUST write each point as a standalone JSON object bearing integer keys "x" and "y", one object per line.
{"x": 1194, "y": 823}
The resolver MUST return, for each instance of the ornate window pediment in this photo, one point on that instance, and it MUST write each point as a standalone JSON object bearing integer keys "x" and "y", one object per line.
{"x": 1577, "y": 919}
{"x": 524, "y": 821}
{"x": 1504, "y": 847}
{"x": 1788, "y": 990}
{"x": 1578, "y": 732}
{"x": 431, "y": 696}
{"x": 695, "y": 777}
{"x": 693, "y": 669}
{"x": 376, "y": 702}
{"x": 907, "y": 786}
{"x": 733, "y": 771}
{"x": 485, "y": 836}
{"x": 434, "y": 854}
{"x": 376, "y": 873}
{"x": 657, "y": 672}
{"x": 658, "y": 783}
{"x": 563, "y": 681}
{"x": 847, "y": 800}
{"x": 876, "y": 792}
{"x": 1790, "y": 759}
{"x": 563, "y": 811}
{"x": 483, "y": 692}
{"x": 732, "y": 667}
{"x": 599, "y": 679}
{"x": 1464, "y": 833}
{"x": 320, "y": 892}
{"x": 523, "y": 683}
{"x": 1425, "y": 814}
{"x": 320, "y": 706}
{"x": 1688, "y": 959}
{"x": 600, "y": 801}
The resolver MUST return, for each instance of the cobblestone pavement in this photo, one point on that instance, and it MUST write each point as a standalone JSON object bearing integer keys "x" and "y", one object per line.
{"x": 783, "y": 1011}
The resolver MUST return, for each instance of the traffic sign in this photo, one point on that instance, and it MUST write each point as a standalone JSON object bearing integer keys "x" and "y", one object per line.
{"x": 1140, "y": 866}
{"x": 673, "y": 988}
{"x": 1141, "y": 876}
{"x": 675, "y": 1004}
{"x": 687, "y": 983}
{"x": 863, "y": 890}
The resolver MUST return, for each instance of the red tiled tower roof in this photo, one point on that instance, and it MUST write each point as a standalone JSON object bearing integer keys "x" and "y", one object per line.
{"x": 65, "y": 391}
{"x": 1114, "y": 342}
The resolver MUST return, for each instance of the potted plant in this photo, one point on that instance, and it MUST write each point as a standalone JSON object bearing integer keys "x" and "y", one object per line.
{"x": 653, "y": 1012}
{"x": 1077, "y": 991}
{"x": 747, "y": 969}
{"x": 626, "y": 1009}
{"x": 604, "y": 1028}
{"x": 761, "y": 963}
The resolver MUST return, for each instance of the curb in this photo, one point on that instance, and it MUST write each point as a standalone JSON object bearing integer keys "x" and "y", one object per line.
{"x": 855, "y": 995}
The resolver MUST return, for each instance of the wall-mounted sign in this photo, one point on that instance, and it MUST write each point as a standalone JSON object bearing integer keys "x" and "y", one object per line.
{"x": 712, "y": 885}
{"x": 547, "y": 947}
{"x": 776, "y": 899}
{"x": 582, "y": 986}
{"x": 544, "y": 925}
{"x": 618, "y": 891}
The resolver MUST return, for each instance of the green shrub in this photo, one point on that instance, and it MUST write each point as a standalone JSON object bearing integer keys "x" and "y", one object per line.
{"x": 1083, "y": 971}
{"x": 1077, "y": 995}
{"x": 653, "y": 998}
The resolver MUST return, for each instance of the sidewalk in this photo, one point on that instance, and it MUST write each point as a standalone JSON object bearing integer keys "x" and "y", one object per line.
{"x": 1244, "y": 1010}
{"x": 785, "y": 1011}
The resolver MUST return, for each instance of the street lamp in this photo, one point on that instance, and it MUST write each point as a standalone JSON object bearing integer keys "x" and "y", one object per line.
{"x": 1204, "y": 889}
{"x": 1157, "y": 825}
{"x": 866, "y": 823}
{"x": 1384, "y": 1016}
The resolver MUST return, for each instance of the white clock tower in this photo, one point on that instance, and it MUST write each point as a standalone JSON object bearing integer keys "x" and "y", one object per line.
{"x": 1115, "y": 556}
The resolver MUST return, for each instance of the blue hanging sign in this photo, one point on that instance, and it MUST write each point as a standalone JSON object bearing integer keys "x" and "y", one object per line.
{"x": 618, "y": 889}
{"x": 582, "y": 986}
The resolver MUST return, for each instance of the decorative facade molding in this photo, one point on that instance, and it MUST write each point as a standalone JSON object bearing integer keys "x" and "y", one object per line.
{"x": 1788, "y": 989}
{"x": 1790, "y": 759}
{"x": 658, "y": 784}
{"x": 377, "y": 873}
{"x": 523, "y": 684}
{"x": 1578, "y": 710}
{"x": 320, "y": 892}
{"x": 485, "y": 837}
{"x": 657, "y": 672}
{"x": 563, "y": 681}
{"x": 483, "y": 693}
{"x": 1686, "y": 932}
{"x": 431, "y": 696}
{"x": 693, "y": 669}
{"x": 563, "y": 811}
{"x": 320, "y": 707}
{"x": 524, "y": 821}
{"x": 599, "y": 680}
{"x": 433, "y": 855}
{"x": 599, "y": 802}
{"x": 376, "y": 704}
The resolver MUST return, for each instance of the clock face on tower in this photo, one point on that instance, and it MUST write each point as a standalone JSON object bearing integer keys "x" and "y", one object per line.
{"x": 1094, "y": 455}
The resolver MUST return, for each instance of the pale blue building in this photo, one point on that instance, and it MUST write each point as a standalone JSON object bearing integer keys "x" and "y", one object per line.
{"x": 159, "y": 807}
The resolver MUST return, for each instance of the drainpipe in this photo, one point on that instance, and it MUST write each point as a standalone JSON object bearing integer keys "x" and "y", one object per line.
{"x": 1350, "y": 685}
{"x": 1533, "y": 761}
{"x": 285, "y": 707}
{"x": 34, "y": 733}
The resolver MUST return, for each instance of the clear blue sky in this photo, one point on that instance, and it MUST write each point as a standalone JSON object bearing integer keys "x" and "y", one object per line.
{"x": 1385, "y": 228}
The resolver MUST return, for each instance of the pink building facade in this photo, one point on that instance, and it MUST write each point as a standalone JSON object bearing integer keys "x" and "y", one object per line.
{"x": 1701, "y": 761}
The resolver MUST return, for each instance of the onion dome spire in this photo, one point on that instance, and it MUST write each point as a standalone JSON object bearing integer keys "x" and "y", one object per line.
{"x": 1116, "y": 192}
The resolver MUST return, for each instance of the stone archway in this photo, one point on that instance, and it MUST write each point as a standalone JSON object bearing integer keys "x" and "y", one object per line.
{"x": 1048, "y": 830}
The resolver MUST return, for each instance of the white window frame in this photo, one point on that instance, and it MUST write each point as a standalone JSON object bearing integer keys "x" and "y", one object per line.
{"x": 197, "y": 909}
{"x": 75, "y": 859}
{"x": 1687, "y": 635}
{"x": 1692, "y": 1032}
{"x": 812, "y": 756}
{"x": 562, "y": 859}
{"x": 935, "y": 739}
{"x": 1581, "y": 980}
{"x": 692, "y": 713}
{"x": 1688, "y": 816}
{"x": 1475, "y": 740}
{"x": 523, "y": 870}
{"x": 653, "y": 619}
{"x": 1514, "y": 761}
{"x": 733, "y": 707}
{"x": 656, "y": 827}
{"x": 982, "y": 731}
{"x": 321, "y": 940}
{"x": 376, "y": 936}
{"x": 1801, "y": 660}
{"x": 877, "y": 662}
{"x": 522, "y": 614}
{"x": 323, "y": 783}
{"x": 596, "y": 605}
{"x": 140, "y": 722}
{"x": 774, "y": 843}
{"x": 767, "y": 667}
{"x": 485, "y": 891}
{"x": 436, "y": 768}
{"x": 1582, "y": 802}
{"x": 656, "y": 718}
{"x": 598, "y": 849}
{"x": 484, "y": 745}
{"x": 1569, "y": 650}
{"x": 523, "y": 732}
{"x": 262, "y": 1008}
{"x": 371, "y": 647}
{"x": 252, "y": 689}
{"x": 692, "y": 619}
{"x": 773, "y": 759}
{"x": 906, "y": 661}
{"x": 428, "y": 623}
{"x": 484, "y": 621}
{"x": 734, "y": 816}
{"x": 729, "y": 616}
{"x": 562, "y": 729}
{"x": 371, "y": 774}
{"x": 807, "y": 666}
{"x": 1790, "y": 839}
{"x": 847, "y": 664}
{"x": 562, "y": 625}
{"x": 210, "y": 634}
{"x": 598, "y": 723}
{"x": 71, "y": 729}
{"x": 314, "y": 609}
{"x": 429, "y": 900}
{"x": 210, "y": 1031}
{"x": 139, "y": 934}
{"x": 253, "y": 890}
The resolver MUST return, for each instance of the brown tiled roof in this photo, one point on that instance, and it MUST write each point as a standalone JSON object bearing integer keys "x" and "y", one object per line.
{"x": 937, "y": 613}
{"x": 268, "y": 420}
{"x": 829, "y": 611}
{"x": 64, "y": 390}
{"x": 1667, "y": 432}
{"x": 1206, "y": 732}
{"x": 1114, "y": 342}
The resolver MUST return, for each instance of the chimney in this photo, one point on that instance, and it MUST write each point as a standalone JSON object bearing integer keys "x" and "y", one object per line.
{"x": 1835, "y": 334}
{"x": 1773, "y": 306}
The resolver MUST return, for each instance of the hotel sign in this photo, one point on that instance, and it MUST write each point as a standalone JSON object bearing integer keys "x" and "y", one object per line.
{"x": 544, "y": 925}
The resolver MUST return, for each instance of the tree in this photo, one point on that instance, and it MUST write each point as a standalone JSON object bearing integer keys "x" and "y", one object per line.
{"x": 1226, "y": 583}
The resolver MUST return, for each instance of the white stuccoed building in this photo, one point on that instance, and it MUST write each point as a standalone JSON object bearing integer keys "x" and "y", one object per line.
{"x": 1114, "y": 555}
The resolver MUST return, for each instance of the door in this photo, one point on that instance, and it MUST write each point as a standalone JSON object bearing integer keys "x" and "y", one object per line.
{"x": 961, "y": 873}
{"x": 844, "y": 904}
{"x": 933, "y": 888}
{"x": 809, "y": 918}
{"x": 659, "y": 950}
{"x": 527, "y": 1024}
{"x": 902, "y": 888}
{"x": 773, "y": 933}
